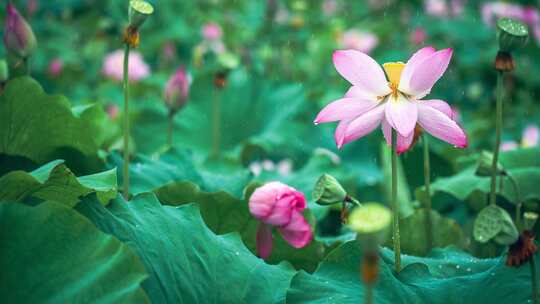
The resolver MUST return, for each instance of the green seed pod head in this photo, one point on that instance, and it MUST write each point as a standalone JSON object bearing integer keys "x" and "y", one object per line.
{"x": 484, "y": 165}
{"x": 4, "y": 71}
{"x": 328, "y": 191}
{"x": 371, "y": 221}
{"x": 494, "y": 223}
{"x": 512, "y": 34}
{"x": 529, "y": 220}
{"x": 139, "y": 10}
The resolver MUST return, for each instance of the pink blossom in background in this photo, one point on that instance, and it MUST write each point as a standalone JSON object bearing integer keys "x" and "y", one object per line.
{"x": 395, "y": 103}
{"x": 509, "y": 145}
{"x": 114, "y": 62}
{"x": 212, "y": 31}
{"x": 169, "y": 51}
{"x": 530, "y": 136}
{"x": 418, "y": 36}
{"x": 113, "y": 111}
{"x": 359, "y": 40}
{"x": 492, "y": 11}
{"x": 444, "y": 8}
{"x": 32, "y": 6}
{"x": 278, "y": 205}
{"x": 329, "y": 7}
{"x": 55, "y": 67}
{"x": 436, "y": 8}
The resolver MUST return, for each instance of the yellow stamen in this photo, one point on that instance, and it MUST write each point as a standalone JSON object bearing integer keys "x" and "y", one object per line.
{"x": 393, "y": 72}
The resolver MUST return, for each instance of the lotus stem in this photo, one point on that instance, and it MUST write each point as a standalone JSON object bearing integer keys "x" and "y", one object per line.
{"x": 534, "y": 280}
{"x": 170, "y": 130}
{"x": 216, "y": 123}
{"x": 126, "y": 121}
{"x": 427, "y": 184}
{"x": 395, "y": 205}
{"x": 369, "y": 294}
{"x": 518, "y": 200}
{"x": 498, "y": 127}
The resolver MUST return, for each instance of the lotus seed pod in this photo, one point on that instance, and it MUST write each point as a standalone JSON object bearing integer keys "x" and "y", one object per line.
{"x": 371, "y": 221}
{"x": 328, "y": 191}
{"x": 139, "y": 10}
{"x": 494, "y": 223}
{"x": 529, "y": 220}
{"x": 512, "y": 34}
{"x": 484, "y": 165}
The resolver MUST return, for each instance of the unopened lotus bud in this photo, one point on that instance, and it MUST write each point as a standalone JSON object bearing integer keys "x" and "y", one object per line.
{"x": 371, "y": 221}
{"x": 328, "y": 191}
{"x": 512, "y": 34}
{"x": 19, "y": 38}
{"x": 139, "y": 10}
{"x": 529, "y": 220}
{"x": 485, "y": 163}
{"x": 177, "y": 90}
{"x": 4, "y": 71}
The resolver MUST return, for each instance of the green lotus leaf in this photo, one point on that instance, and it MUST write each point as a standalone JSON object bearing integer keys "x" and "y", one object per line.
{"x": 52, "y": 254}
{"x": 43, "y": 127}
{"x": 55, "y": 182}
{"x": 446, "y": 276}
{"x": 186, "y": 261}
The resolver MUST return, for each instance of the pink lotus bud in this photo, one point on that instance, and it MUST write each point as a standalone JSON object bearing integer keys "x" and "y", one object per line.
{"x": 531, "y": 135}
{"x": 419, "y": 36}
{"x": 18, "y": 35}
{"x": 362, "y": 41}
{"x": 276, "y": 204}
{"x": 55, "y": 67}
{"x": 212, "y": 31}
{"x": 113, "y": 66}
{"x": 177, "y": 90}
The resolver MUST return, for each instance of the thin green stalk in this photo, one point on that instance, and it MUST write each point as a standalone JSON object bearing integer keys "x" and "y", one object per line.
{"x": 368, "y": 299}
{"x": 427, "y": 184}
{"x": 498, "y": 129}
{"x": 216, "y": 123}
{"x": 126, "y": 122}
{"x": 518, "y": 200}
{"x": 534, "y": 280}
{"x": 170, "y": 131}
{"x": 395, "y": 204}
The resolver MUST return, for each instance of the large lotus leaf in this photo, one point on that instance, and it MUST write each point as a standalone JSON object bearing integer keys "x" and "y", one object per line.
{"x": 43, "y": 127}
{"x": 445, "y": 231}
{"x": 187, "y": 262}
{"x": 251, "y": 108}
{"x": 224, "y": 213}
{"x": 523, "y": 165}
{"x": 446, "y": 276}
{"x": 175, "y": 165}
{"x": 52, "y": 254}
{"x": 55, "y": 182}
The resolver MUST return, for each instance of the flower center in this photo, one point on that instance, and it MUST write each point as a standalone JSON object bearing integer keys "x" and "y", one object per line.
{"x": 393, "y": 73}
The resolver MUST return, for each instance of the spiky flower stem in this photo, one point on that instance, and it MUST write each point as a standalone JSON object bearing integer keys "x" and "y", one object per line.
{"x": 427, "y": 185}
{"x": 126, "y": 121}
{"x": 498, "y": 130}
{"x": 395, "y": 205}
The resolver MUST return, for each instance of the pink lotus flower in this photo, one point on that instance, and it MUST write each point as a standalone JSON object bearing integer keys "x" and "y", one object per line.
{"x": 113, "y": 66}
{"x": 362, "y": 41}
{"x": 530, "y": 138}
{"x": 55, "y": 67}
{"x": 443, "y": 8}
{"x": 394, "y": 103}
{"x": 276, "y": 204}
{"x": 492, "y": 11}
{"x": 212, "y": 31}
{"x": 177, "y": 89}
